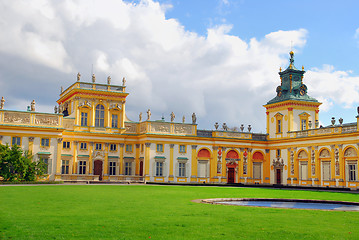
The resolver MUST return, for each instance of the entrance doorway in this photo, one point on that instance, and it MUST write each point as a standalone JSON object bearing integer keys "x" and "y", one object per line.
{"x": 98, "y": 169}
{"x": 141, "y": 168}
{"x": 231, "y": 174}
{"x": 279, "y": 176}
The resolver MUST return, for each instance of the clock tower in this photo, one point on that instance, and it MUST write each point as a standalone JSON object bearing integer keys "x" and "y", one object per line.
{"x": 292, "y": 109}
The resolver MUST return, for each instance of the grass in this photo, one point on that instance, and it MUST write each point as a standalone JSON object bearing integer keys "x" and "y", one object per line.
{"x": 164, "y": 212}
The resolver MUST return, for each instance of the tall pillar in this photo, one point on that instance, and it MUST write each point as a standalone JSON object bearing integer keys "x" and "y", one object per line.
{"x": 90, "y": 158}
{"x": 31, "y": 144}
{"x": 267, "y": 122}
{"x": 123, "y": 115}
{"x": 74, "y": 158}
{"x": 147, "y": 161}
{"x": 58, "y": 159}
{"x": 290, "y": 119}
{"x": 332, "y": 163}
{"x": 77, "y": 111}
{"x": 137, "y": 161}
{"x": 121, "y": 159}
{"x": 171, "y": 177}
{"x": 194, "y": 164}
{"x": 213, "y": 164}
{"x": 105, "y": 166}
{"x": 266, "y": 167}
{"x": 317, "y": 166}
{"x": 250, "y": 165}
{"x": 241, "y": 165}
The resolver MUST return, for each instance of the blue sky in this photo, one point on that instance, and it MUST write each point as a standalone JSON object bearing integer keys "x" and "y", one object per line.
{"x": 218, "y": 58}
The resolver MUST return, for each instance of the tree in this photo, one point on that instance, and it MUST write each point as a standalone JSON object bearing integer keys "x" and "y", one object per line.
{"x": 17, "y": 165}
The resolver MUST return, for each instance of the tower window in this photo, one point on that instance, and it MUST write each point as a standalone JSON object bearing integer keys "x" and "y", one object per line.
{"x": 279, "y": 126}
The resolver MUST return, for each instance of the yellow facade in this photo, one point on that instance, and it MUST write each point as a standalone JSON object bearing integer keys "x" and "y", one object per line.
{"x": 90, "y": 138}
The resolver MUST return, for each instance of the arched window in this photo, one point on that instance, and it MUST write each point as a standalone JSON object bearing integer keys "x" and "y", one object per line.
{"x": 100, "y": 116}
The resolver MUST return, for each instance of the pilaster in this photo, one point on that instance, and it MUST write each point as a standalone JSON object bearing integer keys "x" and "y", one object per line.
{"x": 171, "y": 177}
{"x": 121, "y": 159}
{"x": 74, "y": 157}
{"x": 147, "y": 161}
{"x": 137, "y": 160}
{"x": 194, "y": 164}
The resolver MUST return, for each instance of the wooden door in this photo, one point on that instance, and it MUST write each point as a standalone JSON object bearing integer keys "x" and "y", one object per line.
{"x": 231, "y": 175}
{"x": 141, "y": 168}
{"x": 98, "y": 169}
{"x": 279, "y": 176}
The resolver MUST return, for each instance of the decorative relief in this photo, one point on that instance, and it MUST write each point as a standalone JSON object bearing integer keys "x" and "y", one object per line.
{"x": 69, "y": 123}
{"x": 350, "y": 152}
{"x": 313, "y": 156}
{"x": 324, "y": 153}
{"x": 160, "y": 127}
{"x": 98, "y": 154}
{"x": 234, "y": 134}
{"x": 16, "y": 117}
{"x": 324, "y": 131}
{"x": 31, "y": 139}
{"x": 131, "y": 127}
{"x": 181, "y": 129}
{"x": 292, "y": 163}
{"x": 85, "y": 103}
{"x": 46, "y": 120}
{"x": 302, "y": 155}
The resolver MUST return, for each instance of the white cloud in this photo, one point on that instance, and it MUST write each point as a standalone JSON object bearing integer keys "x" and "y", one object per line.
{"x": 219, "y": 76}
{"x": 357, "y": 33}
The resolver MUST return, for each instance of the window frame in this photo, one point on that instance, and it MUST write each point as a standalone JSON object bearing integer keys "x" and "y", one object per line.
{"x": 66, "y": 145}
{"x": 18, "y": 140}
{"x": 98, "y": 146}
{"x": 83, "y": 145}
{"x": 42, "y": 143}
{"x": 113, "y": 147}
{"x": 114, "y": 122}
{"x": 159, "y": 148}
{"x": 99, "y": 116}
{"x": 82, "y": 167}
{"x": 182, "y": 169}
{"x": 112, "y": 166}
{"x": 184, "y": 148}
{"x": 65, "y": 166}
{"x": 159, "y": 169}
{"x": 128, "y": 168}
{"x": 129, "y": 148}
{"x": 84, "y": 120}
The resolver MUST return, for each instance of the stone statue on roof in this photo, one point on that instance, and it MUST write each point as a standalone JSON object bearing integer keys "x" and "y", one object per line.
{"x": 172, "y": 116}
{"x": 194, "y": 118}
{"x": 108, "y": 80}
{"x": 183, "y": 119}
{"x": 148, "y": 115}
{"x": 33, "y": 106}
{"x": 2, "y": 103}
{"x": 123, "y": 81}
{"x": 55, "y": 109}
{"x": 93, "y": 78}
{"x": 140, "y": 117}
{"x": 78, "y": 77}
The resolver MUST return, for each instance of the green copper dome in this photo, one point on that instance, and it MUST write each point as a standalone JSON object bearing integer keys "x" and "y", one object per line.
{"x": 292, "y": 87}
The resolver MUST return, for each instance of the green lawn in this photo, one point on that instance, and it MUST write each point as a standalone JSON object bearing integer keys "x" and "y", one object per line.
{"x": 164, "y": 212}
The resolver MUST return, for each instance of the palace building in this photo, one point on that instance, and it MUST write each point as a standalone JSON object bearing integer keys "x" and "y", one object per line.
{"x": 89, "y": 138}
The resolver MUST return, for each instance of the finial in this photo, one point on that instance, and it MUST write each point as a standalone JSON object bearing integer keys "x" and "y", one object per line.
{"x": 291, "y": 59}
{"x": 280, "y": 69}
{"x": 32, "y": 106}
{"x": 302, "y": 68}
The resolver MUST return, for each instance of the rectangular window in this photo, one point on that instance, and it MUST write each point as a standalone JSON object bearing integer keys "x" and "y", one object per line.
{"x": 202, "y": 169}
{"x": 16, "y": 141}
{"x": 66, "y": 145}
{"x": 352, "y": 172}
{"x": 98, "y": 146}
{"x": 257, "y": 170}
{"x": 279, "y": 126}
{"x": 182, "y": 148}
{"x": 83, "y": 146}
{"x": 303, "y": 171}
{"x": 304, "y": 124}
{"x": 159, "y": 147}
{"x": 82, "y": 167}
{"x": 159, "y": 169}
{"x": 45, "y": 142}
{"x": 83, "y": 119}
{"x": 181, "y": 169}
{"x": 46, "y": 162}
{"x": 112, "y": 168}
{"x": 128, "y": 168}
{"x": 114, "y": 120}
{"x": 128, "y": 148}
{"x": 113, "y": 147}
{"x": 326, "y": 171}
{"x": 65, "y": 167}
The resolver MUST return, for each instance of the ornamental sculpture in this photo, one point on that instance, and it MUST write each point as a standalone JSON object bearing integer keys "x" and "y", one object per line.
{"x": 172, "y": 116}
{"x": 148, "y": 115}
{"x": 183, "y": 119}
{"x": 108, "y": 80}
{"x": 2, "y": 103}
{"x": 123, "y": 81}
{"x": 55, "y": 109}
{"x": 78, "y": 77}
{"x": 93, "y": 78}
{"x": 216, "y": 125}
{"x": 33, "y": 106}
{"x": 194, "y": 118}
{"x": 140, "y": 117}
{"x": 225, "y": 127}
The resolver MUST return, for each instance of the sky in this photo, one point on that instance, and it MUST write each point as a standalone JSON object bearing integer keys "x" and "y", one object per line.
{"x": 217, "y": 58}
